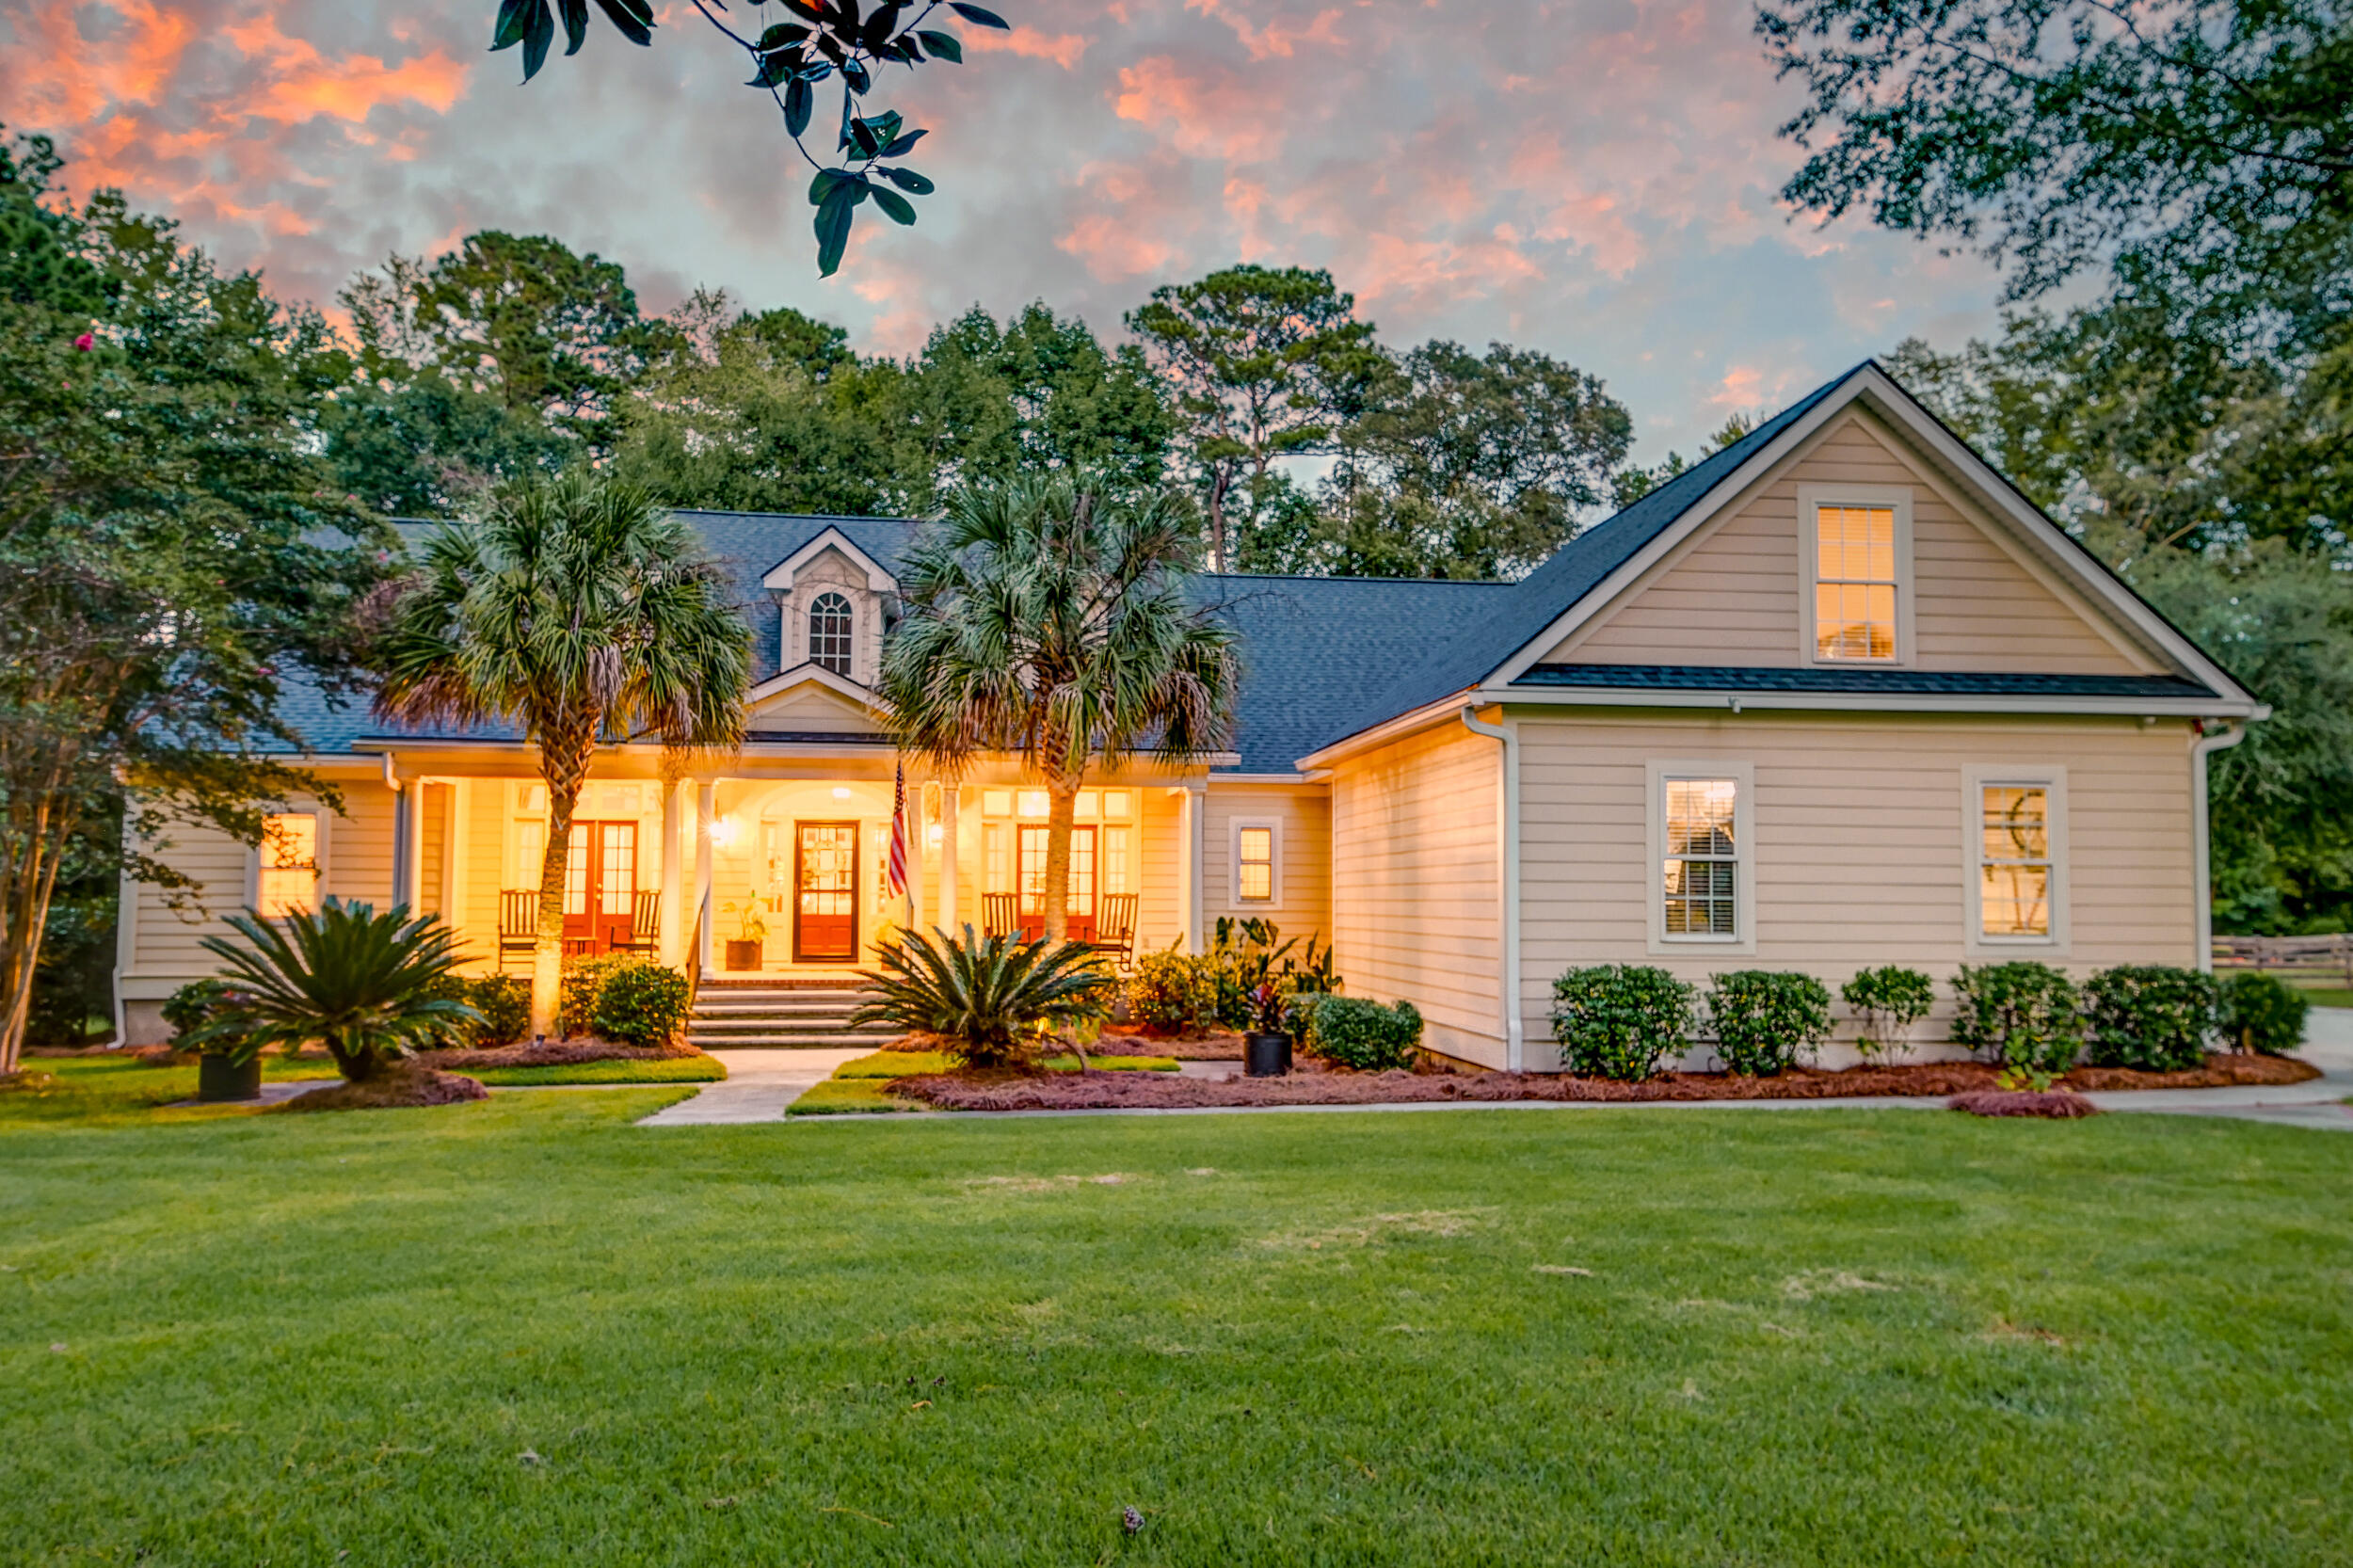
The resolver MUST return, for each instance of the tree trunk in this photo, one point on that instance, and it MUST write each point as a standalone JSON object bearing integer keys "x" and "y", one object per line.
{"x": 566, "y": 769}
{"x": 1221, "y": 480}
{"x": 28, "y": 878}
{"x": 1062, "y": 796}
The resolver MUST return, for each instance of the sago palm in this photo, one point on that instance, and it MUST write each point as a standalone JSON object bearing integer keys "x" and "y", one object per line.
{"x": 368, "y": 987}
{"x": 1049, "y": 619}
{"x": 990, "y": 995}
{"x": 578, "y": 610}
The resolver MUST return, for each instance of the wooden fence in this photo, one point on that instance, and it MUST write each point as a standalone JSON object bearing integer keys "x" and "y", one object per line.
{"x": 2327, "y": 959}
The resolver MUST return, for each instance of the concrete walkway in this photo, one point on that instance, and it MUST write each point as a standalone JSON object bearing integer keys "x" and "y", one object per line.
{"x": 760, "y": 1084}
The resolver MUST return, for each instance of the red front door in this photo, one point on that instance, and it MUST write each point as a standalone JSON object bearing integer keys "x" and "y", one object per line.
{"x": 600, "y": 884}
{"x": 1080, "y": 921}
{"x": 824, "y": 892}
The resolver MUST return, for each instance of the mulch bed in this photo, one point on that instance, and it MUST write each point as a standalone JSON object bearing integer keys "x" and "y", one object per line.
{"x": 563, "y": 1053}
{"x": 2061, "y": 1104}
{"x": 1316, "y": 1084}
{"x": 398, "y": 1089}
{"x": 1140, "y": 1040}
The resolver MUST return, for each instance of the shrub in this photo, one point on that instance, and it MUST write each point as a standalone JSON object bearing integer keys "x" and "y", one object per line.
{"x": 1356, "y": 1032}
{"x": 2260, "y": 1012}
{"x": 1616, "y": 1021}
{"x": 192, "y": 1006}
{"x": 2025, "y": 1015}
{"x": 2154, "y": 1016}
{"x": 1173, "y": 990}
{"x": 1889, "y": 1001}
{"x": 1763, "y": 1019}
{"x": 504, "y": 1002}
{"x": 640, "y": 1004}
{"x": 994, "y": 996}
{"x": 583, "y": 981}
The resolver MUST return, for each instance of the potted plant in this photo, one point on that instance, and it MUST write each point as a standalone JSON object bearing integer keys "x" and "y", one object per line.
{"x": 743, "y": 950}
{"x": 1267, "y": 1049}
{"x": 227, "y": 1066}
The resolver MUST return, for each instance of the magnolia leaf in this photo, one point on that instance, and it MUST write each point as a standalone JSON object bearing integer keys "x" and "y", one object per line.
{"x": 943, "y": 45}
{"x": 854, "y": 72}
{"x": 575, "y": 24}
{"x": 979, "y": 16}
{"x": 833, "y": 226}
{"x": 906, "y": 180}
{"x": 898, "y": 148}
{"x": 537, "y": 38}
{"x": 898, "y": 206}
{"x": 633, "y": 19}
{"x": 514, "y": 21}
{"x": 800, "y": 102}
{"x": 782, "y": 32}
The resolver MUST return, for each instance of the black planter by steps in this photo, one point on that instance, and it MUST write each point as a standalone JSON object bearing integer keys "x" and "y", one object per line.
{"x": 218, "y": 1078}
{"x": 1266, "y": 1055}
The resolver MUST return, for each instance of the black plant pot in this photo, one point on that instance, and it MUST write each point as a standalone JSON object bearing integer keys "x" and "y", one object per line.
{"x": 218, "y": 1078}
{"x": 1266, "y": 1055}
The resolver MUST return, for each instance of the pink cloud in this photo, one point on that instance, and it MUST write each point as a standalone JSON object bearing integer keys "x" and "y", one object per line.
{"x": 1064, "y": 49}
{"x": 1205, "y": 114}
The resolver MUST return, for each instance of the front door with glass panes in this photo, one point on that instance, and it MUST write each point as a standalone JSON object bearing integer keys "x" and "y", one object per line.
{"x": 824, "y": 892}
{"x": 600, "y": 884}
{"x": 1102, "y": 854}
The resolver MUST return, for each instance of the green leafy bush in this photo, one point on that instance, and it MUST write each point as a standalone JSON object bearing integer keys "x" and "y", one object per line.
{"x": 1889, "y": 1001}
{"x": 640, "y": 1004}
{"x": 192, "y": 1006}
{"x": 995, "y": 997}
{"x": 582, "y": 982}
{"x": 1173, "y": 990}
{"x": 1616, "y": 1021}
{"x": 2025, "y": 1015}
{"x": 504, "y": 1002}
{"x": 1357, "y": 1032}
{"x": 2154, "y": 1016}
{"x": 2260, "y": 1012}
{"x": 1763, "y": 1020}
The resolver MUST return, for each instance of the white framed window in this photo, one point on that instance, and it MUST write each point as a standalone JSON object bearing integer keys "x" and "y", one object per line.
{"x": 2014, "y": 825}
{"x": 1701, "y": 865}
{"x": 1257, "y": 857}
{"x": 996, "y": 803}
{"x": 1118, "y": 857}
{"x": 1855, "y": 554}
{"x": 286, "y": 866}
{"x": 830, "y": 627}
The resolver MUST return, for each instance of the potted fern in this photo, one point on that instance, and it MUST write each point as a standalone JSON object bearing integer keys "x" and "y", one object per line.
{"x": 751, "y": 938}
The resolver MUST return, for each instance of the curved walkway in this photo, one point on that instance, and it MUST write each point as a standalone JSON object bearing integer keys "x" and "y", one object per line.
{"x": 760, "y": 1082}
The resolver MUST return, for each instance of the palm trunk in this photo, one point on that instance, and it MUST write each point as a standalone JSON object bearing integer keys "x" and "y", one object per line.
{"x": 565, "y": 767}
{"x": 1062, "y": 796}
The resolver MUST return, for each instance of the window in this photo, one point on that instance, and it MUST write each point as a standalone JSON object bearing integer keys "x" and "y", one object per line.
{"x": 1256, "y": 846}
{"x": 1117, "y": 803}
{"x": 2014, "y": 861}
{"x": 1115, "y": 862}
{"x": 1703, "y": 859}
{"x": 289, "y": 865}
{"x": 829, "y": 634}
{"x": 996, "y": 803}
{"x": 997, "y": 859}
{"x": 1035, "y": 803}
{"x": 1854, "y": 582}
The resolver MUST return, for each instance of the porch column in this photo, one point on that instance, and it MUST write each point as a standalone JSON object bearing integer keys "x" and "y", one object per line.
{"x": 949, "y": 791}
{"x": 673, "y": 949}
{"x": 1191, "y": 825}
{"x": 706, "y": 816}
{"x": 409, "y": 855}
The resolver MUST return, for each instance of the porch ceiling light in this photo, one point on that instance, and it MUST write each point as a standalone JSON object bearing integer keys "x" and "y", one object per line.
{"x": 840, "y": 792}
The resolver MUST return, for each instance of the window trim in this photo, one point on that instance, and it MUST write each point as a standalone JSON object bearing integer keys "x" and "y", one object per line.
{"x": 1811, "y": 499}
{"x": 321, "y": 819}
{"x": 1657, "y": 774}
{"x": 808, "y": 629}
{"x": 1275, "y": 862}
{"x": 1976, "y": 778}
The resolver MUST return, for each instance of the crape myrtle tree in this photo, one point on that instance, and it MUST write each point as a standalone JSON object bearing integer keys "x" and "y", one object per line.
{"x": 812, "y": 50}
{"x": 171, "y": 550}
{"x": 584, "y": 613}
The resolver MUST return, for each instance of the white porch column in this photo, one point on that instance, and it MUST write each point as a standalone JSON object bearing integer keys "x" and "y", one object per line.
{"x": 409, "y": 851}
{"x": 673, "y": 948}
{"x": 949, "y": 847}
{"x": 707, "y": 814}
{"x": 1191, "y": 826}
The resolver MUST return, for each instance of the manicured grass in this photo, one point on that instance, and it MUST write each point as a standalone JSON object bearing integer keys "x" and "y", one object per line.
{"x": 914, "y": 1064}
{"x": 850, "y": 1096}
{"x": 528, "y": 1331}
{"x": 668, "y": 1069}
{"x": 2323, "y": 996}
{"x": 104, "y": 1090}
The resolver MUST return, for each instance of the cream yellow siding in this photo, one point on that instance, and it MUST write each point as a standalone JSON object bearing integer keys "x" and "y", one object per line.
{"x": 1731, "y": 594}
{"x": 1859, "y": 851}
{"x": 1302, "y": 818}
{"x": 1416, "y": 871}
{"x": 811, "y": 708}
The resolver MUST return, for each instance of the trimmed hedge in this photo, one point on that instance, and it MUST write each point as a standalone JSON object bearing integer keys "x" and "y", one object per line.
{"x": 2261, "y": 1012}
{"x": 504, "y": 1002}
{"x": 1620, "y": 1021}
{"x": 1357, "y": 1032}
{"x": 1173, "y": 990}
{"x": 640, "y": 1005}
{"x": 2154, "y": 1016}
{"x": 1763, "y": 1019}
{"x": 1888, "y": 1000}
{"x": 576, "y": 996}
{"x": 2025, "y": 1015}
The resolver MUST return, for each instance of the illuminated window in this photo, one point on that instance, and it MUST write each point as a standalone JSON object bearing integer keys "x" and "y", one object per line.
{"x": 2014, "y": 861}
{"x": 997, "y": 858}
{"x": 996, "y": 803}
{"x": 1116, "y": 851}
{"x": 290, "y": 865}
{"x": 1117, "y": 805}
{"x": 829, "y": 634}
{"x": 1089, "y": 804}
{"x": 1703, "y": 863}
{"x": 1854, "y": 582}
{"x": 1034, "y": 803}
{"x": 1082, "y": 869}
{"x": 1253, "y": 863}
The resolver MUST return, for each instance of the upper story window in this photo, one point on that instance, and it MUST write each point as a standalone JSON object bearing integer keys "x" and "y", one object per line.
{"x": 1854, "y": 582}
{"x": 289, "y": 865}
{"x": 829, "y": 624}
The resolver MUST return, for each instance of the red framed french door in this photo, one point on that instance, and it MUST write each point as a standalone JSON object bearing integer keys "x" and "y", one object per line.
{"x": 600, "y": 884}
{"x": 824, "y": 892}
{"x": 1083, "y": 884}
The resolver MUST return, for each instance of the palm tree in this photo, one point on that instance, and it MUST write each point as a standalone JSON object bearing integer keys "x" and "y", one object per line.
{"x": 582, "y": 611}
{"x": 1048, "y": 618}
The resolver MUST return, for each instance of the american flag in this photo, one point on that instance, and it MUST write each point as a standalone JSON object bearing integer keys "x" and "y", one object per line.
{"x": 896, "y": 874}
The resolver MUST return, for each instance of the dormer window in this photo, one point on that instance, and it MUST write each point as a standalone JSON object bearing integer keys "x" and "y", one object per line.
{"x": 829, "y": 624}
{"x": 1856, "y": 547}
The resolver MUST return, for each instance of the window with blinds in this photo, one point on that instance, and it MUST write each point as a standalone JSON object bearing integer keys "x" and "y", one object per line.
{"x": 1703, "y": 861}
{"x": 1854, "y": 582}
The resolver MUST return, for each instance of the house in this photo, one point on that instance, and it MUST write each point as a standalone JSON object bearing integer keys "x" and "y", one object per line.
{"x": 1836, "y": 697}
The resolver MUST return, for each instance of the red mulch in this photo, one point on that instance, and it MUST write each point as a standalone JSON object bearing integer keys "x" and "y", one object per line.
{"x": 565, "y": 1053}
{"x": 398, "y": 1089}
{"x": 1217, "y": 1045}
{"x": 2060, "y": 1103}
{"x": 1315, "y": 1084}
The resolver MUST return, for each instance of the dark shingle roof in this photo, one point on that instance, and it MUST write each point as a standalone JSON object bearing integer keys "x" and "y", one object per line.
{"x": 1734, "y": 678}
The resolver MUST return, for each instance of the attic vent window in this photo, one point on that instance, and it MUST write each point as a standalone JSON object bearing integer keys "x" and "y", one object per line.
{"x": 829, "y": 634}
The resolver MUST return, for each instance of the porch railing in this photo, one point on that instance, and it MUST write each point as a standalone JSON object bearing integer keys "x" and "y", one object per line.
{"x": 2328, "y": 958}
{"x": 694, "y": 962}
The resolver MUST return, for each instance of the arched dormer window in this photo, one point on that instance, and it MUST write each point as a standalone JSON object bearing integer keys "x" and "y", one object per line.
{"x": 829, "y": 634}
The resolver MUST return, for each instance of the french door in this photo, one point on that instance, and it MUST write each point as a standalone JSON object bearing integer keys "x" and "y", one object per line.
{"x": 600, "y": 884}
{"x": 1082, "y": 882}
{"x": 824, "y": 892}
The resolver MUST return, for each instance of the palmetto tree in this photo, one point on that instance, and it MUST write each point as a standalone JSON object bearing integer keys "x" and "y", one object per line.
{"x": 1049, "y": 619}
{"x": 580, "y": 611}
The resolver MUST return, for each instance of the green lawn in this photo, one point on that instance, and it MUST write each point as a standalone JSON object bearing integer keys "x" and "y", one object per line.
{"x": 660, "y": 1069}
{"x": 526, "y": 1330}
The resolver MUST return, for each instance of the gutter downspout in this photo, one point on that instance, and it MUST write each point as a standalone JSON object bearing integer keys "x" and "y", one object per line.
{"x": 2205, "y": 746}
{"x": 1514, "y": 1029}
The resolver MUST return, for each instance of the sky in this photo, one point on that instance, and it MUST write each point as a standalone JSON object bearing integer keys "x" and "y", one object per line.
{"x": 1592, "y": 179}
